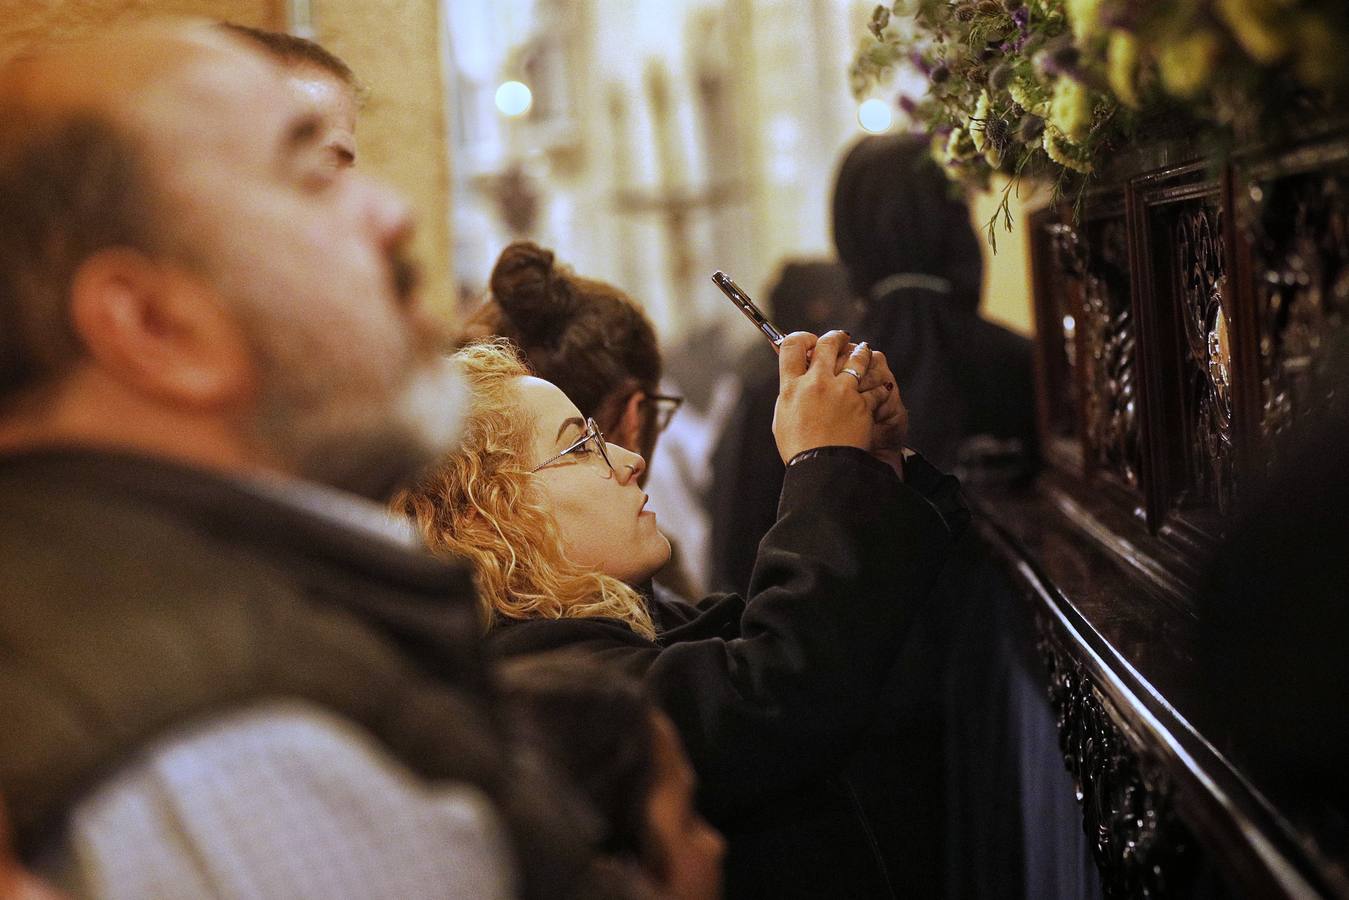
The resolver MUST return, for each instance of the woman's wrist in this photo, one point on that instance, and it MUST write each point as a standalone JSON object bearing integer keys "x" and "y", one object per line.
{"x": 866, "y": 458}
{"x": 894, "y": 459}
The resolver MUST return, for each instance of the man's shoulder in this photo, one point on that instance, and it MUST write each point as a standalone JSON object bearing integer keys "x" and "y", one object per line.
{"x": 284, "y": 799}
{"x": 126, "y": 615}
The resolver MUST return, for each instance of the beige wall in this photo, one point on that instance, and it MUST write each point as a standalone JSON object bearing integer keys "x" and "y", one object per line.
{"x": 1007, "y": 286}
{"x": 393, "y": 45}
{"x": 394, "y": 48}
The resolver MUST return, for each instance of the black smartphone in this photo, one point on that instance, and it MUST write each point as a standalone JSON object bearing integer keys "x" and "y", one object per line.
{"x": 746, "y": 306}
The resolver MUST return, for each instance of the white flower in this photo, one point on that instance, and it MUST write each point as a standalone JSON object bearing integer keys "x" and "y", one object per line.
{"x": 1070, "y": 110}
{"x": 978, "y": 121}
{"x": 1062, "y": 151}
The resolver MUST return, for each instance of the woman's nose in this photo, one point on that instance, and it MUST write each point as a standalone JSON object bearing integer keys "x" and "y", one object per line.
{"x": 627, "y": 465}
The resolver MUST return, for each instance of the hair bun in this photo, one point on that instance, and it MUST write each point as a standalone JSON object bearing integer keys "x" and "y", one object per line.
{"x": 526, "y": 287}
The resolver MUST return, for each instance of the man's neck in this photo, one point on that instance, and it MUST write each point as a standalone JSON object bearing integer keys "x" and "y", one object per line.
{"x": 82, "y": 412}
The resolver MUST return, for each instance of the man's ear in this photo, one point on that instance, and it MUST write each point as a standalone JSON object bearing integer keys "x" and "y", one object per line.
{"x": 628, "y": 434}
{"x": 160, "y": 330}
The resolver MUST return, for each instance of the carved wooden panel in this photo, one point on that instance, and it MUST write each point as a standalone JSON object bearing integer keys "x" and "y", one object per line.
{"x": 1184, "y": 296}
{"x": 1296, "y": 217}
{"x": 1140, "y": 845}
{"x": 1206, "y": 359}
{"x": 1203, "y": 298}
{"x": 1058, "y": 269}
{"x": 1109, "y": 345}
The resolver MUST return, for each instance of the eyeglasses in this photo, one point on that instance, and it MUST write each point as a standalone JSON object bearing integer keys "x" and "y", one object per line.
{"x": 592, "y": 435}
{"x": 663, "y": 408}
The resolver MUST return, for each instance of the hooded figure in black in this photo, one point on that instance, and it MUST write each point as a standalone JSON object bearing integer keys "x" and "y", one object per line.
{"x": 935, "y": 774}
{"x": 914, "y": 259}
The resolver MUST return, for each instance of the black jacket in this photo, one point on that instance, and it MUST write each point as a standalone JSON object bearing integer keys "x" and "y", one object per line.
{"x": 137, "y": 596}
{"x": 769, "y": 694}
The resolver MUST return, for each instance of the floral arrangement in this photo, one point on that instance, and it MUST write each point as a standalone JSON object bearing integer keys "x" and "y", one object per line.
{"x": 1047, "y": 88}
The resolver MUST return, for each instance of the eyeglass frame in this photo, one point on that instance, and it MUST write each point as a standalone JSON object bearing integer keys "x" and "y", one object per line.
{"x": 592, "y": 433}
{"x": 655, "y": 400}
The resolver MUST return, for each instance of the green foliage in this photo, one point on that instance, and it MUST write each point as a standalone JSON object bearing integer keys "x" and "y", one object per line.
{"x": 1050, "y": 89}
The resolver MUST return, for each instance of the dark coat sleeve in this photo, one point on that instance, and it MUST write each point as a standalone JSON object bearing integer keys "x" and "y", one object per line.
{"x": 747, "y": 476}
{"x": 838, "y": 580}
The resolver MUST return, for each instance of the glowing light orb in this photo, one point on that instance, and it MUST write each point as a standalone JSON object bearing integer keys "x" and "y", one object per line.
{"x": 514, "y": 98}
{"x": 875, "y": 116}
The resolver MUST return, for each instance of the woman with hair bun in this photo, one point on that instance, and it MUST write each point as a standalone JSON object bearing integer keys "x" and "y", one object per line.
{"x": 585, "y": 336}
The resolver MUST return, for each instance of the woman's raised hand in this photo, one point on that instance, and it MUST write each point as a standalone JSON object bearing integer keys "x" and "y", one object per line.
{"x": 891, "y": 419}
{"x": 820, "y": 399}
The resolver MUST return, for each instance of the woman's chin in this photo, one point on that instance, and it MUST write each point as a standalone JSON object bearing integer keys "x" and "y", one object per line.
{"x": 658, "y": 555}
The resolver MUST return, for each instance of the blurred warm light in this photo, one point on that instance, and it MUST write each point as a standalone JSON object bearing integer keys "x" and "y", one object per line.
{"x": 514, "y": 98}
{"x": 875, "y": 116}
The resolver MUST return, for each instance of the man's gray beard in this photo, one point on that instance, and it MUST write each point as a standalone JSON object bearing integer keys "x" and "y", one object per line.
{"x": 367, "y": 445}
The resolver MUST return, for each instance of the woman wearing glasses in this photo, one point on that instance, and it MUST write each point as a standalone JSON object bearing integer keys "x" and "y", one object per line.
{"x": 768, "y": 691}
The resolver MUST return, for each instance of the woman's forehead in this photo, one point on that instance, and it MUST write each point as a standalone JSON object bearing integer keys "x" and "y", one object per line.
{"x": 546, "y": 401}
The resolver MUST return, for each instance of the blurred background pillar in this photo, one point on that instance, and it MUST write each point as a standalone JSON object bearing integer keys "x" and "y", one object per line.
{"x": 394, "y": 46}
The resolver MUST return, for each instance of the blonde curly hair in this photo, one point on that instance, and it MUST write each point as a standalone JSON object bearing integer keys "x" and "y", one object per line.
{"x": 480, "y": 503}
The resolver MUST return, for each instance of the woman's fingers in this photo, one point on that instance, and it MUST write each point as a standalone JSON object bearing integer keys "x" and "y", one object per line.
{"x": 878, "y": 372}
{"x": 875, "y": 398}
{"x": 828, "y": 350}
{"x": 859, "y": 360}
{"x": 892, "y": 422}
{"x": 794, "y": 354}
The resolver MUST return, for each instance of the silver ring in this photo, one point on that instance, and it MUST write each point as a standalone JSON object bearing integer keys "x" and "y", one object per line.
{"x": 853, "y": 372}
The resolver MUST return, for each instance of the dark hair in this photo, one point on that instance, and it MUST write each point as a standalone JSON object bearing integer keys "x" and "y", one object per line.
{"x": 585, "y": 336}
{"x": 70, "y": 186}
{"x": 810, "y": 295}
{"x": 290, "y": 50}
{"x": 895, "y": 212}
{"x": 596, "y": 724}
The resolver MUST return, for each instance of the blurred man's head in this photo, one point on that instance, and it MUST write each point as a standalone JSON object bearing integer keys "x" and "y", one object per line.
{"x": 179, "y": 254}
{"x": 327, "y": 85}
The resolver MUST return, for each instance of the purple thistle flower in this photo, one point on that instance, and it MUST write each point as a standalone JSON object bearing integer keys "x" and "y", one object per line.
{"x": 1060, "y": 58}
{"x": 1021, "y": 18}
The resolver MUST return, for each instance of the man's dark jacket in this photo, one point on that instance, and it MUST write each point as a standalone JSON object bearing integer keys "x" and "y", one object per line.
{"x": 138, "y": 596}
{"x": 770, "y": 694}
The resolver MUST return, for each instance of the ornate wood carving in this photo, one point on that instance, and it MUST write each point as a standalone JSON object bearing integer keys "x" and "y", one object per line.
{"x": 1071, "y": 264}
{"x": 1109, "y": 345}
{"x": 1207, "y": 364}
{"x": 1202, "y": 298}
{"x": 1300, "y": 237}
{"x": 1068, "y": 269}
{"x": 1139, "y": 844}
